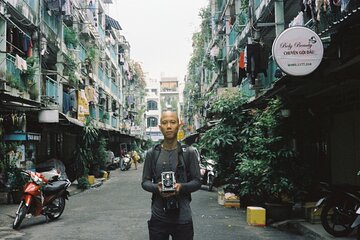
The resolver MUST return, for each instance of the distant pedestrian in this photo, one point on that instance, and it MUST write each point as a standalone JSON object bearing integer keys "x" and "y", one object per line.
{"x": 170, "y": 210}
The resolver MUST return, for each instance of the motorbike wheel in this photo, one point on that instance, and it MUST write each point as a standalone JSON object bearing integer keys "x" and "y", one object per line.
{"x": 58, "y": 203}
{"x": 337, "y": 216}
{"x": 20, "y": 215}
{"x": 211, "y": 183}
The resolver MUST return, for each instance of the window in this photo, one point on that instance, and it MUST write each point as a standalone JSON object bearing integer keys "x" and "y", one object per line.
{"x": 151, "y": 105}
{"x": 152, "y": 122}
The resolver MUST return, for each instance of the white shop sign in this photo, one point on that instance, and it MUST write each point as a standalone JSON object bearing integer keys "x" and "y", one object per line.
{"x": 298, "y": 51}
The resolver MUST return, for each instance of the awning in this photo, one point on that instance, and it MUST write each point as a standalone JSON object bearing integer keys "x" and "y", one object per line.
{"x": 112, "y": 22}
{"x": 348, "y": 19}
{"x": 69, "y": 120}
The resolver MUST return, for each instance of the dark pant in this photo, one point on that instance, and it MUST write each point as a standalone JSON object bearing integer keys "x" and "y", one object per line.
{"x": 159, "y": 230}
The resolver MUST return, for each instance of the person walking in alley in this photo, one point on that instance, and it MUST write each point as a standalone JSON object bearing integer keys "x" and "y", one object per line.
{"x": 171, "y": 173}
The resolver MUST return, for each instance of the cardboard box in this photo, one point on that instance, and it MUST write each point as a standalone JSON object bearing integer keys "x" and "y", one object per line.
{"x": 232, "y": 203}
{"x": 256, "y": 216}
{"x": 311, "y": 215}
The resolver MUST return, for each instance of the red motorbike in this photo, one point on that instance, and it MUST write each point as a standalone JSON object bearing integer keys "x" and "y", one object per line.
{"x": 42, "y": 197}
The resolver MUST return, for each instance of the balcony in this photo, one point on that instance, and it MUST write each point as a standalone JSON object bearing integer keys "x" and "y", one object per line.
{"x": 28, "y": 8}
{"x": 52, "y": 22}
{"x": 114, "y": 122}
{"x": 113, "y": 54}
{"x": 82, "y": 53}
{"x": 13, "y": 74}
{"x": 51, "y": 89}
{"x": 246, "y": 90}
{"x": 101, "y": 32}
{"x": 101, "y": 74}
{"x": 114, "y": 89}
{"x": 93, "y": 111}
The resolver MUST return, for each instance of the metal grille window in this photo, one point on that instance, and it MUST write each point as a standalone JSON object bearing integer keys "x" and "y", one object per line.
{"x": 152, "y": 105}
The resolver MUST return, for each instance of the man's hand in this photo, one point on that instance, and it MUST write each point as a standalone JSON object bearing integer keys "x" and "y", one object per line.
{"x": 169, "y": 194}
{"x": 177, "y": 188}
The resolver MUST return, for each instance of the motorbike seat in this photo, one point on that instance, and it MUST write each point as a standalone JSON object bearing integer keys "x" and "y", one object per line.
{"x": 53, "y": 187}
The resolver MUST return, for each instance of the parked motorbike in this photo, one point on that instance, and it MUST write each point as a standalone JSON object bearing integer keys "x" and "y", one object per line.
{"x": 207, "y": 172}
{"x": 42, "y": 196}
{"x": 339, "y": 208}
{"x": 356, "y": 223}
{"x": 125, "y": 162}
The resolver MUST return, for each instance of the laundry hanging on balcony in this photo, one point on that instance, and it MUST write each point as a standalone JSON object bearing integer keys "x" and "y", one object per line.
{"x": 55, "y": 5}
{"x": 20, "y": 63}
{"x": 257, "y": 61}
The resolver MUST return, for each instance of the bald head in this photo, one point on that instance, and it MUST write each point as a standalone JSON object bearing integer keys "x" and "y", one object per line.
{"x": 171, "y": 113}
{"x": 169, "y": 124}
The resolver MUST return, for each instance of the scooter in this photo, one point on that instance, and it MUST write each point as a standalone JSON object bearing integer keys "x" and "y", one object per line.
{"x": 125, "y": 162}
{"x": 339, "y": 206}
{"x": 207, "y": 172}
{"x": 42, "y": 197}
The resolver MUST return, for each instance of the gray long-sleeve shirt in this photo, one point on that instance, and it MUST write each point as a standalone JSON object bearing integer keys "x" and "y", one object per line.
{"x": 168, "y": 161}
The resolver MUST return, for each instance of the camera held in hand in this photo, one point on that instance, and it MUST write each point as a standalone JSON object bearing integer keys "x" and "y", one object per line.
{"x": 168, "y": 181}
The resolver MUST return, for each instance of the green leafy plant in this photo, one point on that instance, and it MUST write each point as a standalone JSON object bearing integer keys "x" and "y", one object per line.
{"x": 83, "y": 183}
{"x": 34, "y": 92}
{"x": 267, "y": 165}
{"x": 100, "y": 155}
{"x": 84, "y": 153}
{"x": 8, "y": 166}
{"x": 70, "y": 37}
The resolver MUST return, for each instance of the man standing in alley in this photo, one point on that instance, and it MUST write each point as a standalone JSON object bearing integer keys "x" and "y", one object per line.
{"x": 171, "y": 173}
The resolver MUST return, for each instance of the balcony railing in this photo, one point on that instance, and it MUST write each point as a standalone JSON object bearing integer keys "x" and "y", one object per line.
{"x": 114, "y": 122}
{"x": 51, "y": 89}
{"x": 113, "y": 54}
{"x": 82, "y": 53}
{"x": 51, "y": 21}
{"x": 107, "y": 81}
{"x": 101, "y": 32}
{"x": 13, "y": 71}
{"x": 92, "y": 110}
{"x": 28, "y": 8}
{"x": 101, "y": 74}
{"x": 114, "y": 89}
{"x": 232, "y": 35}
{"x": 246, "y": 88}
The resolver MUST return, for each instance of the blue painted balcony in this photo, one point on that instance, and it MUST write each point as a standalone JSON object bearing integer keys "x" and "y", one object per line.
{"x": 101, "y": 74}
{"x": 232, "y": 35}
{"x": 101, "y": 31}
{"x": 107, "y": 81}
{"x": 114, "y": 122}
{"x": 14, "y": 72}
{"x": 51, "y": 89}
{"x": 82, "y": 53}
{"x": 52, "y": 21}
{"x": 246, "y": 89}
{"x": 92, "y": 110}
{"x": 114, "y": 89}
{"x": 113, "y": 53}
{"x": 101, "y": 114}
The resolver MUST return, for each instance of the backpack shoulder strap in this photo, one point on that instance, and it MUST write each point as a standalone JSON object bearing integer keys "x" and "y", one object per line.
{"x": 184, "y": 152}
{"x": 155, "y": 153}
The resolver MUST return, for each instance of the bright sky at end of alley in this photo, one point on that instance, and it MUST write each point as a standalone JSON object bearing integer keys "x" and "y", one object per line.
{"x": 159, "y": 32}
